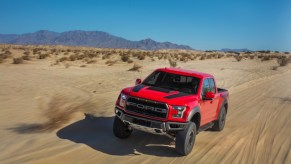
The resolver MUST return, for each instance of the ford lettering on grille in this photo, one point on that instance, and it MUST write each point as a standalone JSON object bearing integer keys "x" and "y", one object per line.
{"x": 146, "y": 107}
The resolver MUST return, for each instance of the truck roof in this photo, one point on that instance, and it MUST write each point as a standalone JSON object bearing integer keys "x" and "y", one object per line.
{"x": 185, "y": 72}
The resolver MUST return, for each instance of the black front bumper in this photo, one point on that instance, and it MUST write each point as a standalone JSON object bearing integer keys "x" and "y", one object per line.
{"x": 148, "y": 125}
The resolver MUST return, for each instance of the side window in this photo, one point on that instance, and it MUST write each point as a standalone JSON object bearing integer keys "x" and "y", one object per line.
{"x": 205, "y": 87}
{"x": 212, "y": 86}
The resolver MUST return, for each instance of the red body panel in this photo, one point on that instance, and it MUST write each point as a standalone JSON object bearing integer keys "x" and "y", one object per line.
{"x": 209, "y": 109}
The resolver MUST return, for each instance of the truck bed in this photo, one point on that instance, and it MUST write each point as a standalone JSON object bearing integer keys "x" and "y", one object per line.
{"x": 220, "y": 90}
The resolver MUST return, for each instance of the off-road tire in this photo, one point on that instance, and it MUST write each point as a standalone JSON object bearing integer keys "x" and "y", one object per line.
{"x": 120, "y": 129}
{"x": 219, "y": 124}
{"x": 185, "y": 139}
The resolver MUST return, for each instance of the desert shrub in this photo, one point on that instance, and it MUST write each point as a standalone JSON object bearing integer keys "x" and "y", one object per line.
{"x": 184, "y": 59}
{"x": 283, "y": 61}
{"x": 251, "y": 56}
{"x": 172, "y": 63}
{"x": 92, "y": 61}
{"x": 220, "y": 56}
{"x": 2, "y": 57}
{"x": 238, "y": 58}
{"x": 160, "y": 57}
{"x": 130, "y": 61}
{"x": 266, "y": 58}
{"x": 64, "y": 59}
{"x": 43, "y": 56}
{"x": 80, "y": 57}
{"x": 17, "y": 60}
{"x": 26, "y": 57}
{"x": 209, "y": 56}
{"x": 27, "y": 53}
{"x": 73, "y": 57}
{"x": 203, "y": 57}
{"x": 136, "y": 67}
{"x": 274, "y": 68}
{"x": 192, "y": 57}
{"x": 54, "y": 50}
{"x": 35, "y": 51}
{"x": 90, "y": 55}
{"x": 165, "y": 57}
{"x": 141, "y": 56}
{"x": 8, "y": 53}
{"x": 125, "y": 58}
{"x": 110, "y": 62}
{"x": 106, "y": 56}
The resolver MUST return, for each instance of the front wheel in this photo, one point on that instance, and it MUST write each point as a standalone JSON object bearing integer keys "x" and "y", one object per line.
{"x": 185, "y": 139}
{"x": 120, "y": 129}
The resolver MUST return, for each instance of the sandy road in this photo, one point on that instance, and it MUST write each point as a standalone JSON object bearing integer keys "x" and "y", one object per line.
{"x": 257, "y": 129}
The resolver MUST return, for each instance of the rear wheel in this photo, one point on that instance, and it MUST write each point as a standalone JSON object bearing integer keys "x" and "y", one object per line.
{"x": 185, "y": 139}
{"x": 120, "y": 129}
{"x": 219, "y": 124}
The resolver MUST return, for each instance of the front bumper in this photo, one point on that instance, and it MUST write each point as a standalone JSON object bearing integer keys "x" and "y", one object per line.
{"x": 149, "y": 125}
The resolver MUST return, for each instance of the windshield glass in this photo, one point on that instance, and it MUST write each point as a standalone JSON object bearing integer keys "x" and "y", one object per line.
{"x": 186, "y": 84}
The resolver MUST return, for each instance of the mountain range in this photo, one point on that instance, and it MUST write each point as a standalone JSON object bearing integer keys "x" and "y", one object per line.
{"x": 235, "y": 50}
{"x": 85, "y": 38}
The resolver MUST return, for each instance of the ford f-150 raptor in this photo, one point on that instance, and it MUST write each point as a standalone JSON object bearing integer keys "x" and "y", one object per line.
{"x": 172, "y": 101}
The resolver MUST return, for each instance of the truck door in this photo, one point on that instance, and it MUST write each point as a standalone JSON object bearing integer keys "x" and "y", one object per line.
{"x": 214, "y": 102}
{"x": 208, "y": 107}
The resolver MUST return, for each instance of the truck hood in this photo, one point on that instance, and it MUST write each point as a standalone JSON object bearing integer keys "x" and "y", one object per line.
{"x": 161, "y": 95}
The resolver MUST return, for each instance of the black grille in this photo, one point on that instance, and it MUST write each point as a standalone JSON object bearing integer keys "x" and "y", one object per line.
{"x": 146, "y": 107}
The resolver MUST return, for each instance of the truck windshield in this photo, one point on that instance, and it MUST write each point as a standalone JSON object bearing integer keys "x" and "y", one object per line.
{"x": 186, "y": 84}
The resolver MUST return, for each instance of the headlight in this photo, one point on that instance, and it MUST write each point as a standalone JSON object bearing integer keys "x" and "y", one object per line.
{"x": 179, "y": 110}
{"x": 122, "y": 100}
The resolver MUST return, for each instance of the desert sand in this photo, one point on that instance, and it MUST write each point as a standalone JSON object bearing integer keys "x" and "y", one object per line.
{"x": 42, "y": 108}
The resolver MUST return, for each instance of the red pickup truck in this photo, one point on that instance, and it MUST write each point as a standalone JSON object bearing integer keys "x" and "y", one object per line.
{"x": 174, "y": 102}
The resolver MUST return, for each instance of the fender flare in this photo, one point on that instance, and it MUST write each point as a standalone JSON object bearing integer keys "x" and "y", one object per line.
{"x": 195, "y": 110}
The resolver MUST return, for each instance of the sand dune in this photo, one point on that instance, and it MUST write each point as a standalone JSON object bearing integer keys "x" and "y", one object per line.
{"x": 42, "y": 117}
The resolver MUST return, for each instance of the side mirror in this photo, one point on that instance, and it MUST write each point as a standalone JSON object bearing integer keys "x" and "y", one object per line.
{"x": 137, "y": 81}
{"x": 209, "y": 96}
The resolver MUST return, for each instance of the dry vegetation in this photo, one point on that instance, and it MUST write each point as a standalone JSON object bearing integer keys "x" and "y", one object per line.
{"x": 80, "y": 56}
{"x": 17, "y": 60}
{"x": 136, "y": 67}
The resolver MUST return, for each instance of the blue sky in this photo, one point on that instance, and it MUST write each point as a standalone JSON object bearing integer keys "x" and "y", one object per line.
{"x": 201, "y": 24}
